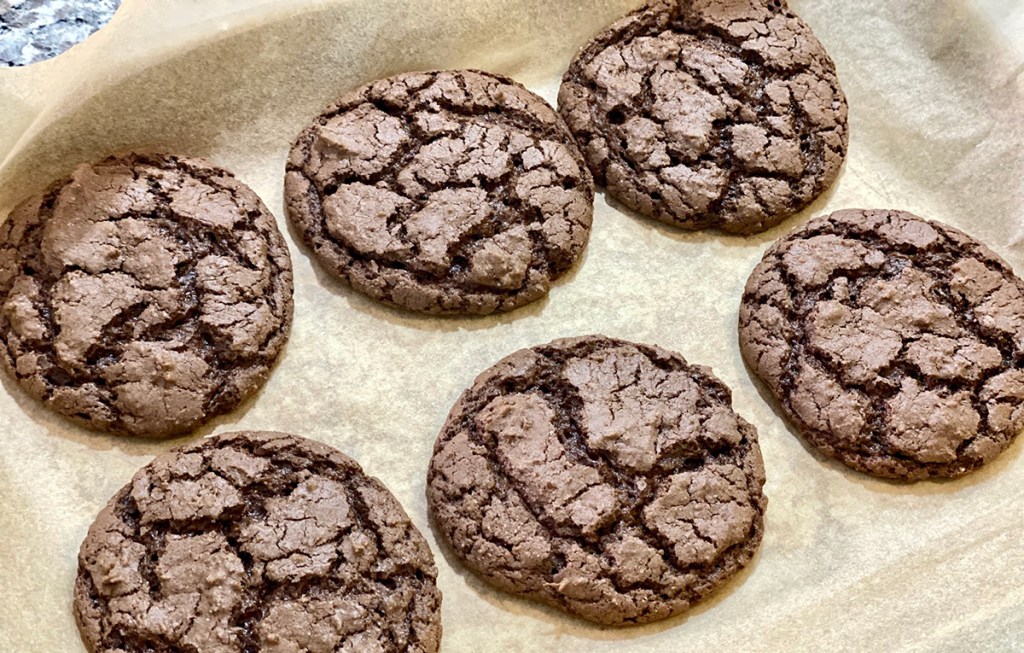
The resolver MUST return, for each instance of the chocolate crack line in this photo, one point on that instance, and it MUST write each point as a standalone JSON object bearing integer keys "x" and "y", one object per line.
{"x": 509, "y": 118}
{"x": 277, "y": 248}
{"x": 327, "y": 246}
{"x": 798, "y": 350}
{"x": 663, "y": 545}
{"x": 508, "y": 204}
{"x": 681, "y": 22}
{"x": 208, "y": 240}
{"x": 574, "y": 443}
{"x": 513, "y": 118}
{"x": 812, "y": 151}
{"x": 257, "y": 596}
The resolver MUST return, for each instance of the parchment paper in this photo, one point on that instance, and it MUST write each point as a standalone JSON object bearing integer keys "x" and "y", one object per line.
{"x": 847, "y": 563}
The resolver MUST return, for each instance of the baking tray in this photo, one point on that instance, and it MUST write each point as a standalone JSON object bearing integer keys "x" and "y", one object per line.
{"x": 848, "y": 562}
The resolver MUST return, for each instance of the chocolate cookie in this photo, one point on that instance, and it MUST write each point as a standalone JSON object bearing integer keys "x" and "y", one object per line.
{"x": 256, "y": 542}
{"x": 609, "y": 479}
{"x": 895, "y": 344}
{"x": 442, "y": 192}
{"x": 143, "y": 295}
{"x": 709, "y": 113}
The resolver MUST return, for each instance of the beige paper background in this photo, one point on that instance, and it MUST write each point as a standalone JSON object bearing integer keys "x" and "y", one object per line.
{"x": 848, "y": 563}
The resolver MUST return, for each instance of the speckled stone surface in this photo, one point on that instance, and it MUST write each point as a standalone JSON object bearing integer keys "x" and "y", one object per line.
{"x": 33, "y": 30}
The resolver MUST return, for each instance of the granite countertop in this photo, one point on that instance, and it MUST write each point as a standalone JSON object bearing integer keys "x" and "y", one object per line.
{"x": 33, "y": 30}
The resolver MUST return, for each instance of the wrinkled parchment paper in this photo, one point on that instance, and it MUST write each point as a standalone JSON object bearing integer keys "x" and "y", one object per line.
{"x": 936, "y": 96}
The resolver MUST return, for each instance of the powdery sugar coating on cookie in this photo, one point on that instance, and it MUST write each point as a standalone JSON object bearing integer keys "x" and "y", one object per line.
{"x": 895, "y": 344}
{"x": 609, "y": 479}
{"x": 256, "y": 542}
{"x": 143, "y": 295}
{"x": 709, "y": 113}
{"x": 442, "y": 192}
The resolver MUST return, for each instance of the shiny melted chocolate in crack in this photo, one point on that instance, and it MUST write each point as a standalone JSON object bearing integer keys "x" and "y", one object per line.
{"x": 609, "y": 479}
{"x": 709, "y": 113}
{"x": 256, "y": 542}
{"x": 143, "y": 295}
{"x": 442, "y": 192}
{"x": 895, "y": 344}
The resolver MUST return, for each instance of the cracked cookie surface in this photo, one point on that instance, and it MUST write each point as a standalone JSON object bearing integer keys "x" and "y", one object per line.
{"x": 442, "y": 192}
{"x": 609, "y": 479}
{"x": 143, "y": 295}
{"x": 895, "y": 344}
{"x": 252, "y": 542}
{"x": 709, "y": 113}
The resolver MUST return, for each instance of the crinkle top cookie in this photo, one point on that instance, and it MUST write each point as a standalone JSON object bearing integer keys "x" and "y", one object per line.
{"x": 442, "y": 192}
{"x": 256, "y": 542}
{"x": 709, "y": 113}
{"x": 609, "y": 479}
{"x": 143, "y": 295}
{"x": 895, "y": 344}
